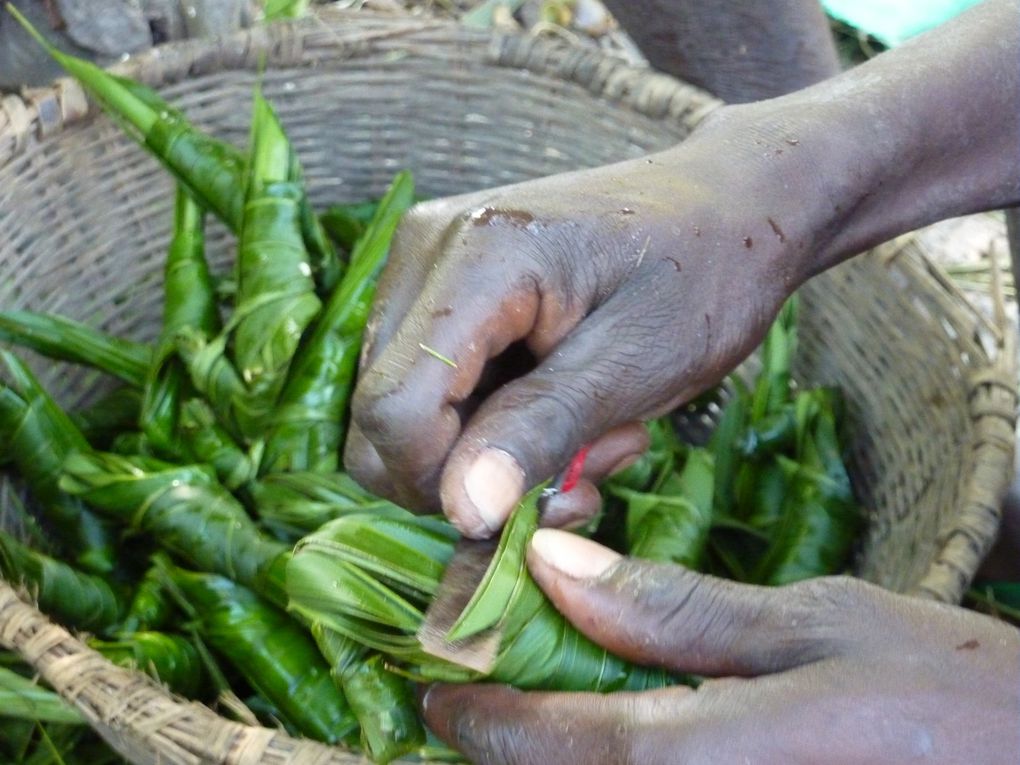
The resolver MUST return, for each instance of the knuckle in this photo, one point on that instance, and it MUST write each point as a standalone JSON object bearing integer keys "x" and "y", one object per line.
{"x": 717, "y": 118}
{"x": 374, "y": 412}
{"x": 823, "y": 616}
{"x": 666, "y": 601}
{"x": 364, "y": 409}
{"x": 419, "y": 230}
{"x": 382, "y": 408}
{"x": 418, "y": 218}
{"x": 714, "y": 619}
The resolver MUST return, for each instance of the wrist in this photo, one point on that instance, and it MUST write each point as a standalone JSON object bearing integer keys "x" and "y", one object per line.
{"x": 921, "y": 133}
{"x": 830, "y": 177}
{"x": 795, "y": 178}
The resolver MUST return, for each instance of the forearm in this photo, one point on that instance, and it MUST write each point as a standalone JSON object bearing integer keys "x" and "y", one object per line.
{"x": 740, "y": 51}
{"x": 928, "y": 131}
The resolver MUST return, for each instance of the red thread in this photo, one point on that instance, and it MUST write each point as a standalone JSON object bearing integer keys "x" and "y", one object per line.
{"x": 573, "y": 473}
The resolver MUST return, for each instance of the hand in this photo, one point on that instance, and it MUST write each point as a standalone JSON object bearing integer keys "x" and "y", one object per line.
{"x": 832, "y": 671}
{"x": 631, "y": 288}
{"x": 620, "y": 305}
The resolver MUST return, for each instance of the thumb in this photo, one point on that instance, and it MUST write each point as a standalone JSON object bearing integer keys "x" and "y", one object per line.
{"x": 525, "y": 432}
{"x": 666, "y": 615}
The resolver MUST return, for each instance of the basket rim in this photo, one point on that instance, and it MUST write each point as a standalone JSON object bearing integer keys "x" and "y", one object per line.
{"x": 335, "y": 34}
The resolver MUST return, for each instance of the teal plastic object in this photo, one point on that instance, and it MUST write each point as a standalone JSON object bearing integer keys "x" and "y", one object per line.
{"x": 893, "y": 21}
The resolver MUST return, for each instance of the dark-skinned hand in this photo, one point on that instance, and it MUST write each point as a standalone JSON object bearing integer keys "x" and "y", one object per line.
{"x": 547, "y": 268}
{"x": 590, "y": 273}
{"x": 572, "y": 307}
{"x": 832, "y": 671}
{"x": 516, "y": 325}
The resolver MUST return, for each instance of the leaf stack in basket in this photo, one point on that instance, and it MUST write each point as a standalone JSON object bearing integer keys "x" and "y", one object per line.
{"x": 196, "y": 522}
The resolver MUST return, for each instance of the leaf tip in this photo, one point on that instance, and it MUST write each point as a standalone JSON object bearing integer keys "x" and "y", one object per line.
{"x": 28, "y": 27}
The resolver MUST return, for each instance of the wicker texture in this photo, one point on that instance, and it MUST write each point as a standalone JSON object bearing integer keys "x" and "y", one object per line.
{"x": 135, "y": 715}
{"x": 930, "y": 384}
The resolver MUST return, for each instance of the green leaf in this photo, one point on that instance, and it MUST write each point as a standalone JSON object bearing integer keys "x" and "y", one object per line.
{"x": 292, "y": 505}
{"x": 386, "y": 709}
{"x": 275, "y": 291}
{"x": 109, "y": 90}
{"x": 213, "y": 171}
{"x": 772, "y": 388}
{"x": 724, "y": 446}
{"x": 24, "y": 699}
{"x": 150, "y": 607}
{"x": 769, "y": 489}
{"x": 189, "y": 304}
{"x": 186, "y": 510}
{"x": 209, "y": 443}
{"x": 171, "y": 659}
{"x": 505, "y": 573}
{"x": 74, "y": 598}
{"x": 116, "y": 412}
{"x": 274, "y": 654}
{"x": 273, "y": 10}
{"x": 344, "y": 226}
{"x": 816, "y": 532}
{"x": 673, "y": 525}
{"x": 67, "y": 340}
{"x": 39, "y": 435}
{"x": 307, "y": 426}
{"x": 540, "y": 650}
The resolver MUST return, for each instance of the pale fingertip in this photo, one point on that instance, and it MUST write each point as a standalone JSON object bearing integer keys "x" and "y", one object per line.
{"x": 571, "y": 555}
{"x": 493, "y": 485}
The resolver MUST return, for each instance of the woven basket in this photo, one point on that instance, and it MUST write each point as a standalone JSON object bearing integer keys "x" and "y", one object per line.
{"x": 86, "y": 215}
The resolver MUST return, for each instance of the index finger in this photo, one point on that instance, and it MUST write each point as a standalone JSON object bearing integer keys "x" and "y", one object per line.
{"x": 483, "y": 295}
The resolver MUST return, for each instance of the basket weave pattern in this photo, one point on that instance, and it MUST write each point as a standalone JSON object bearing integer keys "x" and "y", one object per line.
{"x": 85, "y": 216}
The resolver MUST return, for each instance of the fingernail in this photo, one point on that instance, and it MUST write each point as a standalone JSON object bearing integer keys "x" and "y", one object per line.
{"x": 494, "y": 484}
{"x": 571, "y": 555}
{"x": 623, "y": 464}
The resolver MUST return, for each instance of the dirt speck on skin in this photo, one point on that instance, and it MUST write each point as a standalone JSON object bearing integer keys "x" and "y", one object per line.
{"x": 777, "y": 231}
{"x": 440, "y": 313}
{"x": 676, "y": 263}
{"x": 969, "y": 645}
{"x": 748, "y": 242}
